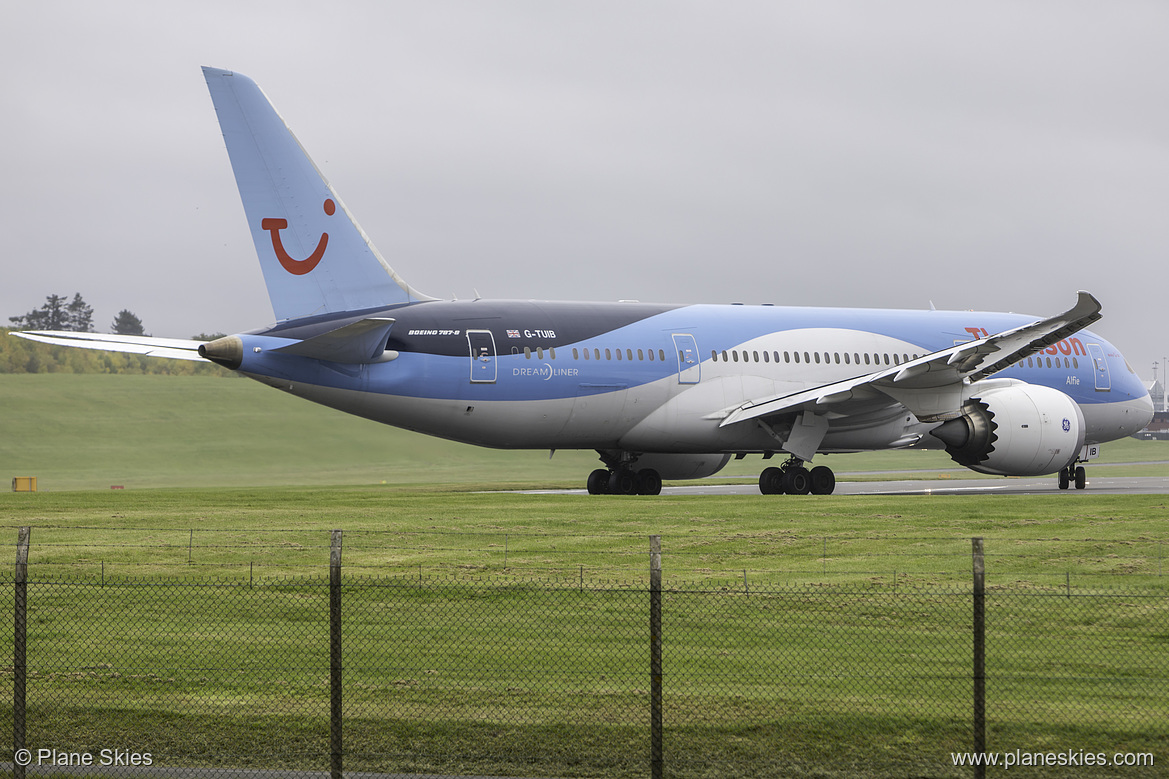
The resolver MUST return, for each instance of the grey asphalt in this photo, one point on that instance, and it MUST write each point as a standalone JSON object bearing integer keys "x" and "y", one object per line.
{"x": 1098, "y": 483}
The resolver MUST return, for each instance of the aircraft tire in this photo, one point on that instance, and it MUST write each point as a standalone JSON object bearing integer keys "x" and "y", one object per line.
{"x": 649, "y": 482}
{"x": 823, "y": 480}
{"x": 622, "y": 482}
{"x": 1081, "y": 478}
{"x": 797, "y": 481}
{"x": 1064, "y": 479}
{"x": 771, "y": 481}
{"x": 598, "y": 483}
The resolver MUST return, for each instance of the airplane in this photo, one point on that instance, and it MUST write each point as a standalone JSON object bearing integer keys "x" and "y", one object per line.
{"x": 658, "y": 391}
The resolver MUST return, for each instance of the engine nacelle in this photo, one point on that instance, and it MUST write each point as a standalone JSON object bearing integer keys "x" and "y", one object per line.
{"x": 1015, "y": 430}
{"x": 683, "y": 466}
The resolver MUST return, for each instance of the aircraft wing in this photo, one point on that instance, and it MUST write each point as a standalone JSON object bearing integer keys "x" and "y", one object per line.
{"x": 930, "y": 386}
{"x": 171, "y": 348}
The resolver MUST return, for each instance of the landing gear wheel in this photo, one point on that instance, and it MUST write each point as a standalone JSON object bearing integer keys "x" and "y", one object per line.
{"x": 797, "y": 481}
{"x": 1065, "y": 478}
{"x": 623, "y": 482}
{"x": 771, "y": 481}
{"x": 598, "y": 482}
{"x": 823, "y": 480}
{"x": 649, "y": 482}
{"x": 1081, "y": 478}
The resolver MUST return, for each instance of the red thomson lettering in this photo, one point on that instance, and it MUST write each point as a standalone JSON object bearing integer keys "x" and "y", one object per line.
{"x": 1077, "y": 347}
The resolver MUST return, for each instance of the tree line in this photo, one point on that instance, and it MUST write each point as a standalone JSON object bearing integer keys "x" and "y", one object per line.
{"x": 59, "y": 313}
{"x": 18, "y": 355}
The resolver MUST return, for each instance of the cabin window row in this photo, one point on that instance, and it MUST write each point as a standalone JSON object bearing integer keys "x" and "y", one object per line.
{"x": 597, "y": 353}
{"x": 818, "y": 358}
{"x": 1052, "y": 362}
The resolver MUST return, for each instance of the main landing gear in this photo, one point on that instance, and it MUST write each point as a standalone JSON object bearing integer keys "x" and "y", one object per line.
{"x": 792, "y": 478}
{"x": 1073, "y": 473}
{"x": 621, "y": 476}
{"x": 625, "y": 481}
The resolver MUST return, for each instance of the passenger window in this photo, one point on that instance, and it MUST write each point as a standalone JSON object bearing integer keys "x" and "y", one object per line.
{"x": 766, "y": 357}
{"x": 651, "y": 355}
{"x": 608, "y": 354}
{"x": 596, "y": 353}
{"x": 618, "y": 354}
{"x": 797, "y": 358}
{"x": 662, "y": 355}
{"x": 817, "y": 354}
{"x": 775, "y": 356}
{"x": 1075, "y": 363}
{"x": 552, "y": 352}
{"x": 575, "y": 354}
{"x": 846, "y": 362}
{"x": 527, "y": 353}
{"x": 640, "y": 355}
{"x": 735, "y": 355}
{"x": 807, "y": 357}
{"x": 886, "y": 359}
{"x": 786, "y": 357}
{"x": 866, "y": 358}
{"x": 836, "y": 357}
{"x": 540, "y": 352}
{"x": 755, "y": 355}
{"x": 713, "y": 356}
{"x": 586, "y": 354}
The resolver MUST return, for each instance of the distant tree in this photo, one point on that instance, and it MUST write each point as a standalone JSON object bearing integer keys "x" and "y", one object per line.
{"x": 208, "y": 336}
{"x": 56, "y": 314}
{"x": 128, "y": 324}
{"x": 80, "y": 315}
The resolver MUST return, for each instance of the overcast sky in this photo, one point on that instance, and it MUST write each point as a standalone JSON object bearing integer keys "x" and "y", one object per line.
{"x": 990, "y": 155}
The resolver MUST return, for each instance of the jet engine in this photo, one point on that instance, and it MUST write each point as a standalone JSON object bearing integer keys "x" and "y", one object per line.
{"x": 1015, "y": 430}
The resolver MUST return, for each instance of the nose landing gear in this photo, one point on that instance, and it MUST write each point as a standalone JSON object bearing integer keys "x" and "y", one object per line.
{"x": 1073, "y": 473}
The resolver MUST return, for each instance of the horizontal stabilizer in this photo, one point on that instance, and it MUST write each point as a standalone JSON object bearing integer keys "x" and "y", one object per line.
{"x": 170, "y": 348}
{"x": 360, "y": 342}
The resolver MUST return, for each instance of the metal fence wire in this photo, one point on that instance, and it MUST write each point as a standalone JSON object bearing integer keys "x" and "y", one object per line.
{"x": 474, "y": 676}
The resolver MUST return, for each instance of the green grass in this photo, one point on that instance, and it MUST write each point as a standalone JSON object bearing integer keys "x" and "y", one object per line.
{"x": 81, "y": 431}
{"x": 805, "y": 636}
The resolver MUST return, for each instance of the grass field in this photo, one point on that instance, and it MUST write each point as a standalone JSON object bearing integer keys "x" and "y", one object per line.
{"x": 76, "y": 431}
{"x": 840, "y": 609}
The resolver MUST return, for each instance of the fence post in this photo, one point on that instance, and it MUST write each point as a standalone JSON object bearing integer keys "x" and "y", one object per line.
{"x": 979, "y": 656}
{"x": 19, "y": 667}
{"x": 335, "y": 655}
{"x": 655, "y": 656}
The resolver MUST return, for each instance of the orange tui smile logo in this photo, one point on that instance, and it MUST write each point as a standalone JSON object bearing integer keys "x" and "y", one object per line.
{"x": 297, "y": 267}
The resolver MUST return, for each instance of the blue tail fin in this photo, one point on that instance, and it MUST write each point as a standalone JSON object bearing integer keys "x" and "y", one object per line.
{"x": 316, "y": 259}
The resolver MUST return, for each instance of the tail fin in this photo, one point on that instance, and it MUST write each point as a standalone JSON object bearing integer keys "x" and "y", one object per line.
{"x": 316, "y": 259}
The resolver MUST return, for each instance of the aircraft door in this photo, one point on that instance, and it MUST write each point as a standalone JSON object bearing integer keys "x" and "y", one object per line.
{"x": 482, "y": 346}
{"x": 689, "y": 364}
{"x": 1100, "y": 368}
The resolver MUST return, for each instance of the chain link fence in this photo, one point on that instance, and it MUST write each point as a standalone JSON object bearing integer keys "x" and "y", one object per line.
{"x": 463, "y": 673}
